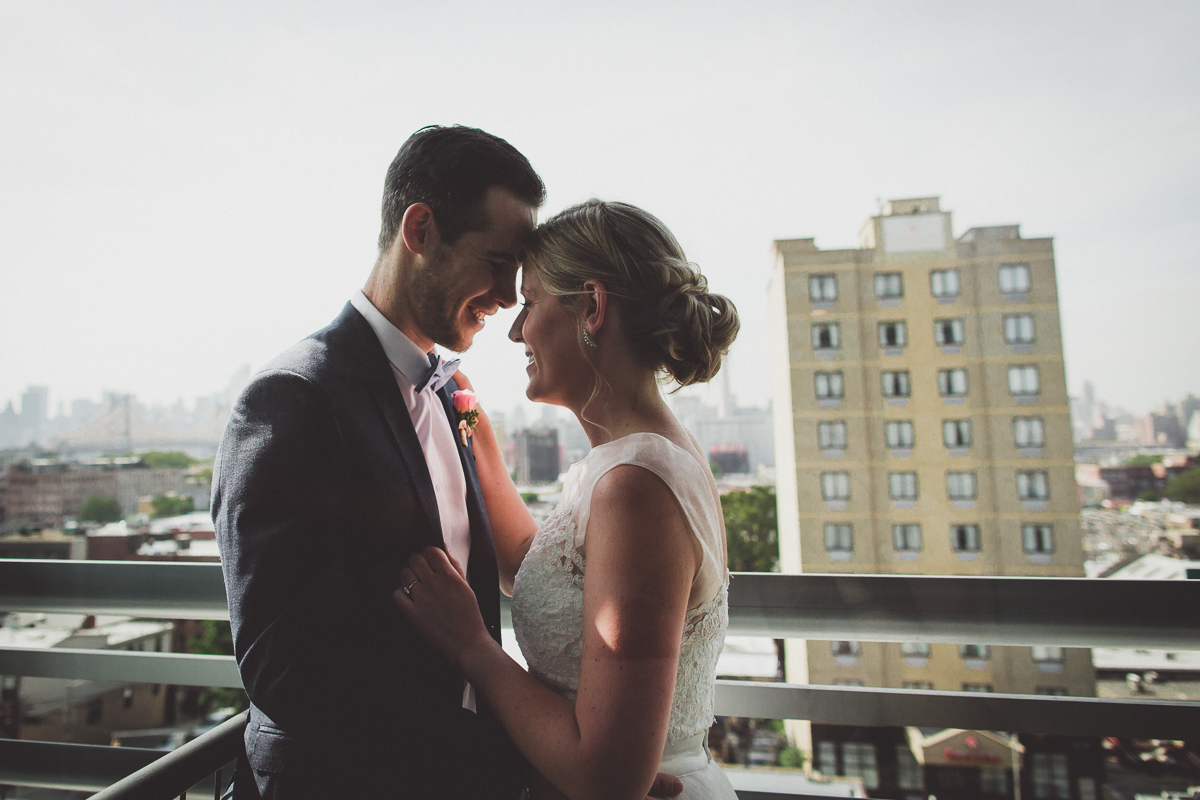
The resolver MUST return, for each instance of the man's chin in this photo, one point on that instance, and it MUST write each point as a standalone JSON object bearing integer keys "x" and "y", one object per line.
{"x": 461, "y": 342}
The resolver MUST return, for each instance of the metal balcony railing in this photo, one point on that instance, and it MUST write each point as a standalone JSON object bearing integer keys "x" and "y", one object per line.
{"x": 1072, "y": 612}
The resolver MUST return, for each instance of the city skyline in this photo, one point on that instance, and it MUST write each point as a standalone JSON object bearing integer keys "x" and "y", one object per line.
{"x": 192, "y": 187}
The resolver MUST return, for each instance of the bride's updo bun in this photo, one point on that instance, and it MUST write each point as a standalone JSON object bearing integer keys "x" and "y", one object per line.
{"x": 670, "y": 316}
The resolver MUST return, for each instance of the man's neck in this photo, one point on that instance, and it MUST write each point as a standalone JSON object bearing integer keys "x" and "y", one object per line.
{"x": 384, "y": 292}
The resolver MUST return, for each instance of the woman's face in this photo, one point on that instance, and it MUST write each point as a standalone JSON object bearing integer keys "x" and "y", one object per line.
{"x": 549, "y": 329}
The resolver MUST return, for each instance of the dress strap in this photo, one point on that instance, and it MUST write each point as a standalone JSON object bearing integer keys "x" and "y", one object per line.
{"x": 688, "y": 482}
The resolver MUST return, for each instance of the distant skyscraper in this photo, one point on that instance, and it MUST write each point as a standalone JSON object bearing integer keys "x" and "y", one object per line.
{"x": 35, "y": 405}
{"x": 922, "y": 427}
{"x": 537, "y": 455}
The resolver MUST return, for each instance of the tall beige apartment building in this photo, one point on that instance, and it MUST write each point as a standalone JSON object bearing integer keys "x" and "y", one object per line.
{"x": 922, "y": 426}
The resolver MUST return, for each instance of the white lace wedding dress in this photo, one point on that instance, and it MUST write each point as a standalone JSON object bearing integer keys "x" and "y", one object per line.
{"x": 547, "y": 602}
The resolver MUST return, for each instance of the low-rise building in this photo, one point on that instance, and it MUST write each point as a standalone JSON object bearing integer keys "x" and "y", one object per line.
{"x": 42, "y": 543}
{"x": 82, "y": 711}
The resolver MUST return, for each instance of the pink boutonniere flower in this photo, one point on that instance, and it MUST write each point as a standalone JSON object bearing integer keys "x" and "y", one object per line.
{"x": 466, "y": 405}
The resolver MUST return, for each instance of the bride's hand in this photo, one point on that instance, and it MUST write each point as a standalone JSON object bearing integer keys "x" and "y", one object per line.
{"x": 440, "y": 604}
{"x": 463, "y": 381}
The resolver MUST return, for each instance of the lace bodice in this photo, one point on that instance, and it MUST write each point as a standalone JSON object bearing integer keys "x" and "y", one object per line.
{"x": 547, "y": 603}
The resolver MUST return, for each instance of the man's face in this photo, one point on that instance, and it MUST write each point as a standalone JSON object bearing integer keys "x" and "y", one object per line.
{"x": 462, "y": 284}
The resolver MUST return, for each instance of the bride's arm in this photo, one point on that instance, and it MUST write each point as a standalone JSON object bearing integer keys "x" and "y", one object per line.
{"x": 640, "y": 567}
{"x": 511, "y": 523}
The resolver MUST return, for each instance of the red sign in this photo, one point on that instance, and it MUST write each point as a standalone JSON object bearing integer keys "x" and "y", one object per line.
{"x": 970, "y": 756}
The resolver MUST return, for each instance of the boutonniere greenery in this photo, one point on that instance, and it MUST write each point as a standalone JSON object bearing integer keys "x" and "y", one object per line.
{"x": 466, "y": 405}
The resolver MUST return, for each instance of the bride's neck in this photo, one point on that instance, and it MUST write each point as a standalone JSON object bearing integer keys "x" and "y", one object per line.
{"x": 625, "y": 407}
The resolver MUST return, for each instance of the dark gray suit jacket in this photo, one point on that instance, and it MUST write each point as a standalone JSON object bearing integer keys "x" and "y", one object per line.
{"x": 320, "y": 493}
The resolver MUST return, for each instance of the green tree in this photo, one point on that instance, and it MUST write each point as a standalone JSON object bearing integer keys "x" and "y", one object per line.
{"x": 100, "y": 509}
{"x": 216, "y": 639}
{"x": 160, "y": 459}
{"x": 752, "y": 539}
{"x": 1148, "y": 496}
{"x": 751, "y": 529}
{"x": 171, "y": 505}
{"x": 791, "y": 757}
{"x": 1185, "y": 487}
{"x": 1142, "y": 460}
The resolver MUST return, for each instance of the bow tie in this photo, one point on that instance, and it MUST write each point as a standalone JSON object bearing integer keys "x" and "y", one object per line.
{"x": 439, "y": 372}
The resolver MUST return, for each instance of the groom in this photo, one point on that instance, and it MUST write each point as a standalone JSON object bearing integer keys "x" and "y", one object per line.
{"x": 339, "y": 461}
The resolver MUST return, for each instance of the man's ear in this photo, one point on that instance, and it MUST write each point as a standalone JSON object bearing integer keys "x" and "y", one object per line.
{"x": 417, "y": 228}
{"x": 595, "y": 306}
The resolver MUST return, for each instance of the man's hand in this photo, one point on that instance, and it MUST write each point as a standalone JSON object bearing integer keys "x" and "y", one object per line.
{"x": 665, "y": 786}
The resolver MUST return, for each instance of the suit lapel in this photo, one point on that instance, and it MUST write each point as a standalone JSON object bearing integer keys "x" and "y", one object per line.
{"x": 377, "y": 374}
{"x": 391, "y": 405}
{"x": 482, "y": 572}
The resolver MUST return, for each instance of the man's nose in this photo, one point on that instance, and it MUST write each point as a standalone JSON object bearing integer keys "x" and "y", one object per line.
{"x": 504, "y": 292}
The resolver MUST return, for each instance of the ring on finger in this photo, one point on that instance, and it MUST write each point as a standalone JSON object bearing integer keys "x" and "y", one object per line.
{"x": 408, "y": 589}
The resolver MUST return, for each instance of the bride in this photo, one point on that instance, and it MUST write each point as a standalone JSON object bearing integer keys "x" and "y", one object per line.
{"x": 620, "y": 597}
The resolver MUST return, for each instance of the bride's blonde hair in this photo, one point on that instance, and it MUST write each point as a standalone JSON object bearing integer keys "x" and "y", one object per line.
{"x": 670, "y": 316}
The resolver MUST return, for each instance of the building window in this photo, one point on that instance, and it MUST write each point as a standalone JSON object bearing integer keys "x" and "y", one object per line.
{"x": 944, "y": 283}
{"x": 839, "y": 537}
{"x": 920, "y": 686}
{"x": 1051, "y": 776}
{"x": 94, "y": 711}
{"x": 907, "y": 537}
{"x": 827, "y": 758}
{"x": 8, "y": 688}
{"x": 974, "y": 652}
{"x": 965, "y": 538}
{"x": 909, "y": 774}
{"x": 893, "y": 334}
{"x": 831, "y": 435}
{"x": 1014, "y": 278}
{"x": 1023, "y": 379}
{"x": 915, "y": 649}
{"x": 948, "y": 332}
{"x": 1018, "y": 328}
{"x": 835, "y": 485}
{"x": 1029, "y": 431}
{"x": 952, "y": 382}
{"x": 956, "y": 432}
{"x": 977, "y": 687}
{"x": 1052, "y": 691}
{"x": 1043, "y": 654}
{"x": 127, "y": 697}
{"x": 898, "y": 433}
{"x": 889, "y": 284}
{"x": 828, "y": 385}
{"x": 1037, "y": 538}
{"x": 826, "y": 336}
{"x": 895, "y": 383}
{"x": 1033, "y": 485}
{"x": 960, "y": 485}
{"x": 822, "y": 288}
{"x": 902, "y": 485}
{"x": 846, "y": 648}
{"x": 993, "y": 780}
{"x": 858, "y": 759}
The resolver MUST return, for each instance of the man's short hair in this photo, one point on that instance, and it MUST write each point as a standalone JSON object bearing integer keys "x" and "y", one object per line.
{"x": 450, "y": 169}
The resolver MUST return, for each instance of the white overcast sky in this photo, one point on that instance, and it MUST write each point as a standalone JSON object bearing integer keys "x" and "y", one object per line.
{"x": 186, "y": 187}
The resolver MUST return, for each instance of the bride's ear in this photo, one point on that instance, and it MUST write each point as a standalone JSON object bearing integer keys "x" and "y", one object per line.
{"x": 595, "y": 305}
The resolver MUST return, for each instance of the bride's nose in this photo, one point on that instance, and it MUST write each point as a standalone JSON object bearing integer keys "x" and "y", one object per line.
{"x": 514, "y": 333}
